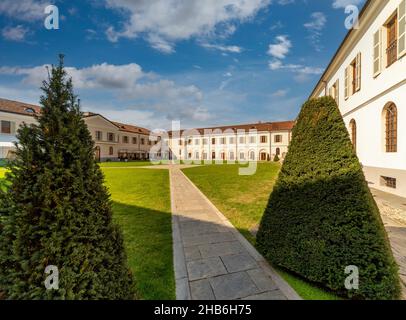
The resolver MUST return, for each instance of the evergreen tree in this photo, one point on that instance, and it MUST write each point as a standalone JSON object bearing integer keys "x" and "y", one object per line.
{"x": 321, "y": 216}
{"x": 56, "y": 210}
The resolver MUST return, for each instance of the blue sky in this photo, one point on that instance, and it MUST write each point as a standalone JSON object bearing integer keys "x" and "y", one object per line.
{"x": 203, "y": 62}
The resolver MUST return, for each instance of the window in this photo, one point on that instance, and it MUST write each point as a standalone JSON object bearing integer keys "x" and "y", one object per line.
{"x": 353, "y": 131}
{"x": 334, "y": 91}
{"x": 242, "y": 140}
{"x": 197, "y": 155}
{"x": 391, "y": 128}
{"x": 388, "y": 182}
{"x": 263, "y": 156}
{"x": 223, "y": 156}
{"x": 189, "y": 142}
{"x": 99, "y": 135}
{"x": 223, "y": 141}
{"x": 5, "y": 127}
{"x": 242, "y": 156}
{"x": 125, "y": 139}
{"x": 134, "y": 140}
{"x": 353, "y": 77}
{"x": 180, "y": 142}
{"x": 111, "y": 151}
{"x": 231, "y": 155}
{"x": 197, "y": 142}
{"x": 110, "y": 137}
{"x": 402, "y": 29}
{"x": 142, "y": 141}
{"x": 231, "y": 140}
{"x": 252, "y": 155}
{"x": 278, "y": 138}
{"x": 204, "y": 156}
{"x": 213, "y": 155}
{"x": 189, "y": 155}
{"x": 264, "y": 139}
{"x": 377, "y": 54}
{"x": 392, "y": 41}
{"x": 204, "y": 141}
{"x": 252, "y": 139}
{"x": 213, "y": 141}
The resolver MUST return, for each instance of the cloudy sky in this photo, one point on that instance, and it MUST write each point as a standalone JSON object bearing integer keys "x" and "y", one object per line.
{"x": 147, "y": 62}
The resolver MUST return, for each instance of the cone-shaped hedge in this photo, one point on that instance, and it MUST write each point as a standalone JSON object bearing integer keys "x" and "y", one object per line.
{"x": 321, "y": 216}
{"x": 56, "y": 210}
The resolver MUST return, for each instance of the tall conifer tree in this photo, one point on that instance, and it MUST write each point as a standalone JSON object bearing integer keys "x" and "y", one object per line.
{"x": 56, "y": 210}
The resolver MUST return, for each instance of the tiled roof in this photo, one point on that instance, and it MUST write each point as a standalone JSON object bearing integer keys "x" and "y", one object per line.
{"x": 19, "y": 107}
{"x": 259, "y": 126}
{"x": 131, "y": 129}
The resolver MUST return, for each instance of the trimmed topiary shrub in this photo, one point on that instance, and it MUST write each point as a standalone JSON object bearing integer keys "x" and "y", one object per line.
{"x": 321, "y": 216}
{"x": 56, "y": 210}
{"x": 276, "y": 158}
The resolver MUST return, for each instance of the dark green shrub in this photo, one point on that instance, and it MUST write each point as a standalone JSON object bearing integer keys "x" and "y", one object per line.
{"x": 276, "y": 158}
{"x": 57, "y": 211}
{"x": 321, "y": 216}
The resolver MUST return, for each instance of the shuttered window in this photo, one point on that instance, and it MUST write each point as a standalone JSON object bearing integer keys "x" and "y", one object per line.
{"x": 377, "y": 53}
{"x": 358, "y": 73}
{"x": 401, "y": 28}
{"x": 347, "y": 83}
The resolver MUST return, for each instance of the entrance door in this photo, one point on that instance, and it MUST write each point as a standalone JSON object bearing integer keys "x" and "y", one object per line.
{"x": 97, "y": 154}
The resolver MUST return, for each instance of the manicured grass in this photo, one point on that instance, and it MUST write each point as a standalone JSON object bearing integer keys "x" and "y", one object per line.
{"x": 125, "y": 164}
{"x": 2, "y": 173}
{"x": 243, "y": 199}
{"x": 141, "y": 204}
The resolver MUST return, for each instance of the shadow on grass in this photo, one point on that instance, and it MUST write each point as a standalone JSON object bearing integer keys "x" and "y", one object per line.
{"x": 148, "y": 242}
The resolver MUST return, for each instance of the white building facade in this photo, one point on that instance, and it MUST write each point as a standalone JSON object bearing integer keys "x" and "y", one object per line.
{"x": 367, "y": 77}
{"x": 113, "y": 141}
{"x": 249, "y": 142}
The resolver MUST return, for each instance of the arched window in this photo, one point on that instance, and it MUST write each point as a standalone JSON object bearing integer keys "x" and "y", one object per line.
{"x": 278, "y": 151}
{"x": 391, "y": 128}
{"x": 252, "y": 155}
{"x": 353, "y": 130}
{"x": 111, "y": 151}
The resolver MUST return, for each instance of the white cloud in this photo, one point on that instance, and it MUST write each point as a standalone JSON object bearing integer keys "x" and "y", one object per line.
{"x": 230, "y": 49}
{"x": 169, "y": 21}
{"x": 24, "y": 10}
{"x": 280, "y": 48}
{"x": 128, "y": 83}
{"x": 315, "y": 26}
{"x": 17, "y": 33}
{"x": 278, "y": 65}
{"x": 337, "y": 4}
{"x": 280, "y": 93}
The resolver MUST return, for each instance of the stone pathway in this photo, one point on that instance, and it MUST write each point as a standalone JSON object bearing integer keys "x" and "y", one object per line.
{"x": 393, "y": 213}
{"x": 213, "y": 261}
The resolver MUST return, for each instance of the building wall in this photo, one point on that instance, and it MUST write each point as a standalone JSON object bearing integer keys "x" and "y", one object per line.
{"x": 231, "y": 149}
{"x": 366, "y": 106}
{"x": 16, "y": 121}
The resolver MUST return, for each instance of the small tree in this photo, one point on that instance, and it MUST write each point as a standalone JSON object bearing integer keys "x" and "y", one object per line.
{"x": 276, "y": 158}
{"x": 321, "y": 216}
{"x": 56, "y": 210}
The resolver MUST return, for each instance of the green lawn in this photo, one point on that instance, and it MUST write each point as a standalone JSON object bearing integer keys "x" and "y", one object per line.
{"x": 125, "y": 164}
{"x": 243, "y": 199}
{"x": 141, "y": 204}
{"x": 2, "y": 172}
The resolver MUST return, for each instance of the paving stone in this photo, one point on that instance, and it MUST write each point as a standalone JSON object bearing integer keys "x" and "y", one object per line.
{"x": 204, "y": 268}
{"x": 262, "y": 280}
{"x": 201, "y": 290}
{"x": 233, "y": 286}
{"x": 239, "y": 262}
{"x": 269, "y": 295}
{"x": 208, "y": 238}
{"x": 192, "y": 253}
{"x": 220, "y": 249}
